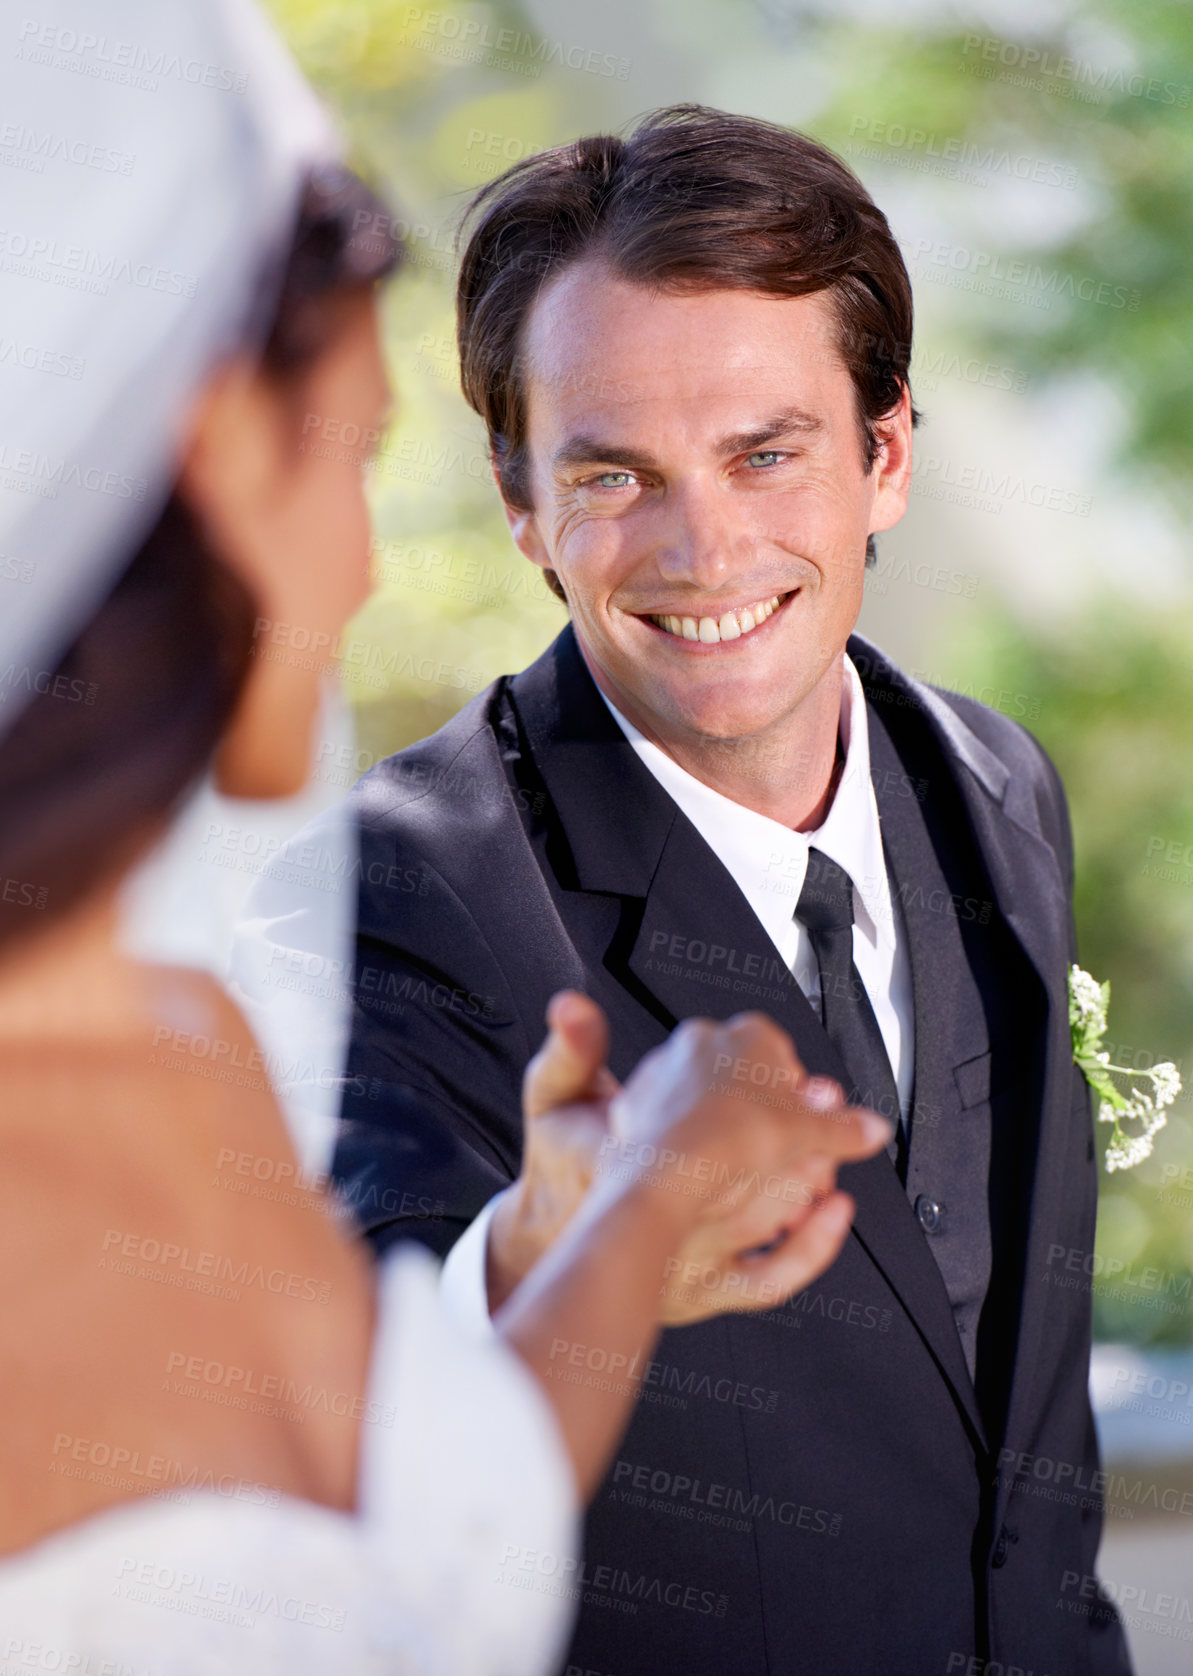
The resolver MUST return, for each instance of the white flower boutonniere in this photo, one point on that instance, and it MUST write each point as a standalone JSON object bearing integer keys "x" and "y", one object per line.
{"x": 1142, "y": 1108}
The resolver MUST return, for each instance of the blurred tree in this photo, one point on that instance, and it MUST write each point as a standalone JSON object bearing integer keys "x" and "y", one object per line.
{"x": 1105, "y": 89}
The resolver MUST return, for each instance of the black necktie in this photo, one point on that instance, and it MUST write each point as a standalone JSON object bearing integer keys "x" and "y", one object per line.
{"x": 825, "y": 909}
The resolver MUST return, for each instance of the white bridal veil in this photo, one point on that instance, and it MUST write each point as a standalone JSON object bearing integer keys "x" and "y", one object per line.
{"x": 118, "y": 291}
{"x": 155, "y": 153}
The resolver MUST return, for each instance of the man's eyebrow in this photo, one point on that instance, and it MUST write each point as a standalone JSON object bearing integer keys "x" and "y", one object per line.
{"x": 791, "y": 421}
{"x": 586, "y": 450}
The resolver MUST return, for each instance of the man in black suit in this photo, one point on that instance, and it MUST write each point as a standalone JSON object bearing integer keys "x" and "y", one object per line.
{"x": 690, "y": 349}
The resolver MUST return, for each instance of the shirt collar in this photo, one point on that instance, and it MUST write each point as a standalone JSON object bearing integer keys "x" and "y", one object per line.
{"x": 768, "y": 860}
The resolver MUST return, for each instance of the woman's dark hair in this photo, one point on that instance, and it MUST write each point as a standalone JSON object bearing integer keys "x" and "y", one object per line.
{"x": 692, "y": 199}
{"x": 107, "y": 743}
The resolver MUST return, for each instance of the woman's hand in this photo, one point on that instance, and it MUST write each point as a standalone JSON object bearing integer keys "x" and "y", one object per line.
{"x": 725, "y": 1116}
{"x": 579, "y": 1121}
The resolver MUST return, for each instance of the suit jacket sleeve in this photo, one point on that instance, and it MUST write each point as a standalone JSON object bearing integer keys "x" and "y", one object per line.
{"x": 1108, "y": 1647}
{"x": 430, "y": 1125}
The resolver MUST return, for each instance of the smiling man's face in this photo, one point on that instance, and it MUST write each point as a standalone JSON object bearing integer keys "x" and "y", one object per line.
{"x": 700, "y": 489}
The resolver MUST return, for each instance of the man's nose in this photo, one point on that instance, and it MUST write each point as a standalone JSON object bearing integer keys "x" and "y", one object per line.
{"x": 703, "y": 539}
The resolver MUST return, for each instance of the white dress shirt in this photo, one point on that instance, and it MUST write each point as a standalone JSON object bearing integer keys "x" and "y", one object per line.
{"x": 767, "y": 862}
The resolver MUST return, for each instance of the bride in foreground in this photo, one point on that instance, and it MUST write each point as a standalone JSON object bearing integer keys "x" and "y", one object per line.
{"x": 422, "y": 1516}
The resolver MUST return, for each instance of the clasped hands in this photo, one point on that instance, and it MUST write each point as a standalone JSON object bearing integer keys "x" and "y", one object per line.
{"x": 723, "y": 1114}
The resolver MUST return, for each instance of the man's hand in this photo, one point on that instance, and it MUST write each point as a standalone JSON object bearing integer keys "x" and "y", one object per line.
{"x": 565, "y": 1105}
{"x": 739, "y": 1252}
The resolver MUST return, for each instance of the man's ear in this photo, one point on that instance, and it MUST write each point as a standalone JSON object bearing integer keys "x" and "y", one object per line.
{"x": 891, "y": 470}
{"x": 527, "y": 537}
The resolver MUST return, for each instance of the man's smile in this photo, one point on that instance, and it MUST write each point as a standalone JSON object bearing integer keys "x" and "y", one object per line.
{"x": 733, "y": 623}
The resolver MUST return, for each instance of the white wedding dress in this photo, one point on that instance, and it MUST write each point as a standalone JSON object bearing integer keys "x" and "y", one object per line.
{"x": 455, "y": 1564}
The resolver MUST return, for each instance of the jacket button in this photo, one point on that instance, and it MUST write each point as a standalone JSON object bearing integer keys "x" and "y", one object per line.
{"x": 929, "y": 1213}
{"x": 1001, "y": 1548}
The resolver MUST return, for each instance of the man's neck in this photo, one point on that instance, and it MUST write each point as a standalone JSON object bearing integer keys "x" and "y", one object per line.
{"x": 788, "y": 772}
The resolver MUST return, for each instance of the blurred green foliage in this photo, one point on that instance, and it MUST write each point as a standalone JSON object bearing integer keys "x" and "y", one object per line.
{"x": 1103, "y": 94}
{"x": 1115, "y": 697}
{"x": 1109, "y": 96}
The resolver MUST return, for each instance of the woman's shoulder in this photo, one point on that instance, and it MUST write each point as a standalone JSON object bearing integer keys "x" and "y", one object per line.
{"x": 135, "y": 1253}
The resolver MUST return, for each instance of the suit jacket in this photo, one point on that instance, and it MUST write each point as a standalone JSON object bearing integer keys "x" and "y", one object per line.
{"x": 826, "y": 1487}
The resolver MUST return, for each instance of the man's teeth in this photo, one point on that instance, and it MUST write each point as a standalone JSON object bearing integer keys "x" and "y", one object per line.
{"x": 731, "y": 626}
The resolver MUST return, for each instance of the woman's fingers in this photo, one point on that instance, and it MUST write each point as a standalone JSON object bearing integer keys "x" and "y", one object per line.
{"x": 727, "y": 1103}
{"x": 758, "y": 1059}
{"x": 807, "y": 1252}
{"x": 696, "y": 1287}
{"x": 778, "y": 1199}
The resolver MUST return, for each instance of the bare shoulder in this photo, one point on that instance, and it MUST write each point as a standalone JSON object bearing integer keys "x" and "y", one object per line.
{"x": 132, "y": 1257}
{"x": 131, "y": 1119}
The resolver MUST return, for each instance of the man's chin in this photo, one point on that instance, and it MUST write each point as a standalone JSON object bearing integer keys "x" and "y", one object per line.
{"x": 717, "y": 721}
{"x": 702, "y": 703}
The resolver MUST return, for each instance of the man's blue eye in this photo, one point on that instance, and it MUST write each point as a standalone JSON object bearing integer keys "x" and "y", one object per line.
{"x": 766, "y": 458}
{"x": 606, "y": 476}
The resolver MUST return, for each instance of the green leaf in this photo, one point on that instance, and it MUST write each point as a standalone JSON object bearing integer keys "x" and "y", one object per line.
{"x": 1103, "y": 1086}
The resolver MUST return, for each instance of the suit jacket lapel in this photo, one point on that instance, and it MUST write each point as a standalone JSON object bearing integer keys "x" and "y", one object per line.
{"x": 1032, "y": 897}
{"x": 1027, "y": 882}
{"x": 946, "y": 1031}
{"x": 701, "y": 950}
{"x": 591, "y": 774}
{"x": 1022, "y": 864}
{"x": 942, "y": 1038}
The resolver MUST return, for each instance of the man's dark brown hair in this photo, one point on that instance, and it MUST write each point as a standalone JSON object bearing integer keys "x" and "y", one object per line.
{"x": 693, "y": 198}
